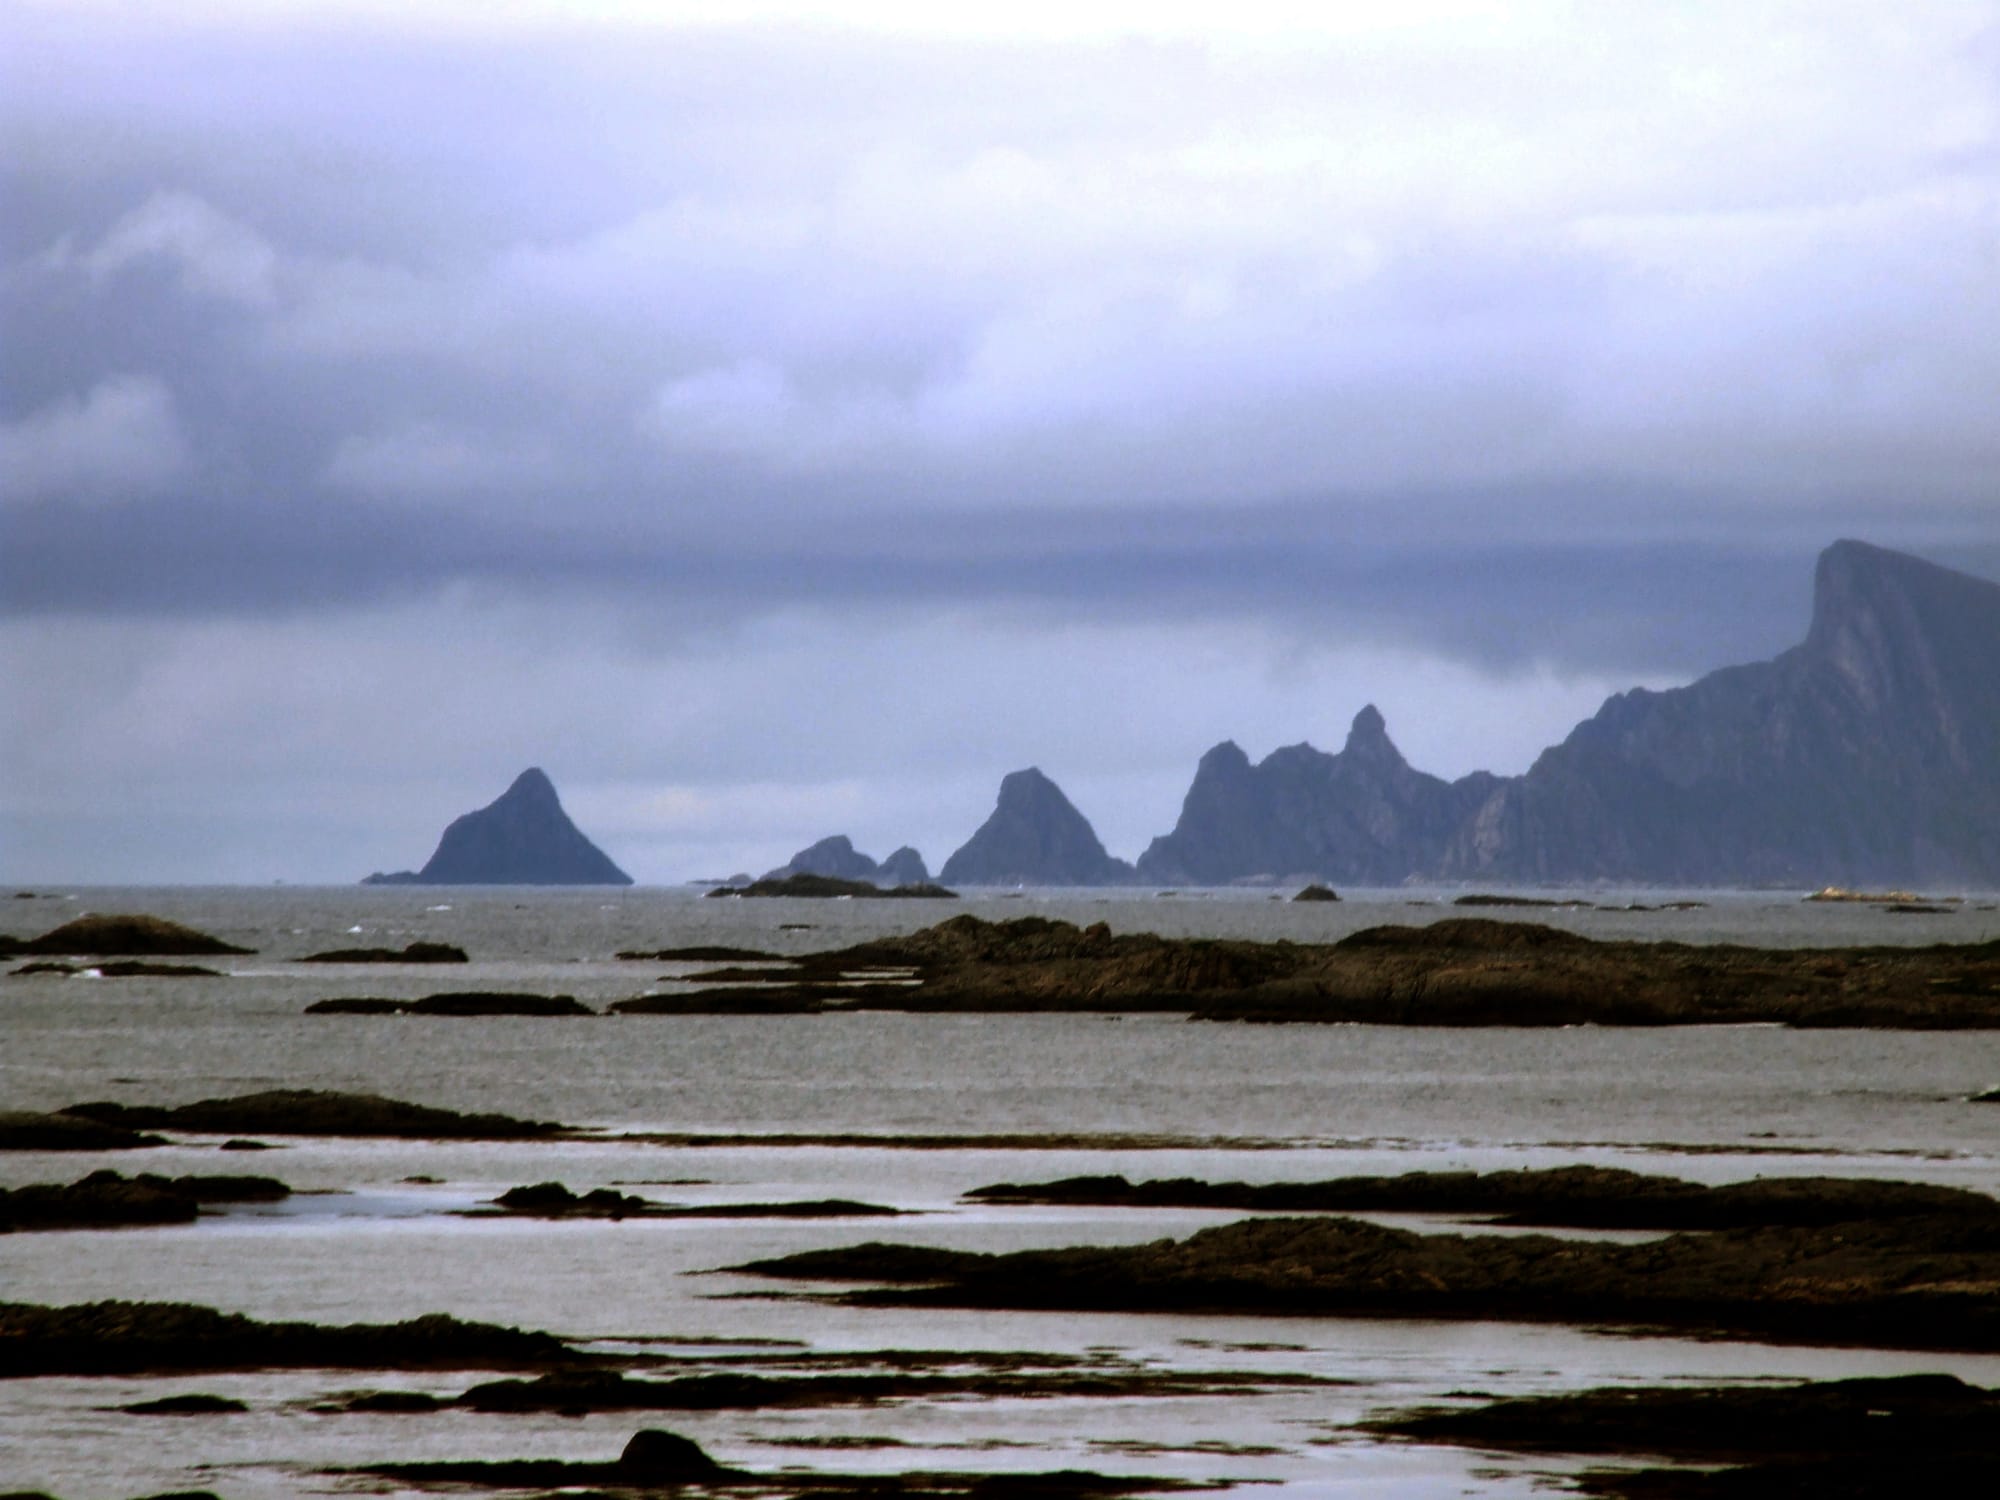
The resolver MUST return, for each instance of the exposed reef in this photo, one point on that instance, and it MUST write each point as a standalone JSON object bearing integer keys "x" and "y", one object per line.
{"x": 414, "y": 953}
{"x": 1921, "y": 1282}
{"x": 1582, "y": 1197}
{"x": 552, "y": 1200}
{"x": 1824, "y": 1440}
{"x": 1462, "y": 971}
{"x": 109, "y": 1199}
{"x": 27, "y": 1130}
{"x": 455, "y": 1003}
{"x": 654, "y": 1459}
{"x": 314, "y": 1112}
{"x": 113, "y": 934}
{"x": 827, "y": 887}
{"x": 137, "y": 1338}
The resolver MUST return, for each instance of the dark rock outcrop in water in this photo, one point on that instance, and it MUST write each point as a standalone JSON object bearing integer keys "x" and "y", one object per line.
{"x": 137, "y": 1338}
{"x": 828, "y": 887}
{"x": 1463, "y": 971}
{"x": 1579, "y": 1197}
{"x": 315, "y": 1112}
{"x": 27, "y": 1130}
{"x": 1919, "y": 1282}
{"x": 1870, "y": 753}
{"x": 523, "y": 838}
{"x": 837, "y": 859}
{"x": 99, "y": 936}
{"x": 1821, "y": 1440}
{"x": 457, "y": 1003}
{"x": 415, "y": 953}
{"x": 109, "y": 1199}
{"x": 1035, "y": 836}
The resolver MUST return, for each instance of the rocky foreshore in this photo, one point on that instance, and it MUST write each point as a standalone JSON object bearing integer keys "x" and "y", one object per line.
{"x": 1929, "y": 1281}
{"x": 135, "y": 1338}
{"x": 1575, "y": 1197}
{"x": 310, "y": 1112}
{"x": 1454, "y": 972}
{"x": 109, "y": 1199}
{"x": 1820, "y": 1440}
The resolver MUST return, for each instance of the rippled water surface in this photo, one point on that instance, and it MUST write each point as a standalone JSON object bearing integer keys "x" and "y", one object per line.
{"x": 364, "y": 1242}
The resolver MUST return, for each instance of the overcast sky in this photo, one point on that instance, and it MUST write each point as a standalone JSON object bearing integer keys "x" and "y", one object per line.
{"x": 778, "y": 420}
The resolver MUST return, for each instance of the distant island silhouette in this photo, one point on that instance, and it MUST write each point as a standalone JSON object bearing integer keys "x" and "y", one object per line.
{"x": 1867, "y": 755}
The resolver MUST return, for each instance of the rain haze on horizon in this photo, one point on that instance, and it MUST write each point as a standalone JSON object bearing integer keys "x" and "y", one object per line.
{"x": 784, "y": 420}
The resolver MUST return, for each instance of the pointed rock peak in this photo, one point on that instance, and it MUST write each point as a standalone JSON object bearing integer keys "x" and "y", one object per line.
{"x": 532, "y": 785}
{"x": 1227, "y": 756}
{"x": 521, "y": 838}
{"x": 1368, "y": 738}
{"x": 1022, "y": 788}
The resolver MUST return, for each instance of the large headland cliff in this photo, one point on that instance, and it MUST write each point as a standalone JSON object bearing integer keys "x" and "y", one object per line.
{"x": 1867, "y": 754}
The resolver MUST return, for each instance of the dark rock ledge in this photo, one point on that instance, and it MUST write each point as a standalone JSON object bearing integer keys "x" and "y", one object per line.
{"x": 1924, "y": 1282}
{"x": 654, "y": 1459}
{"x": 1456, "y": 972}
{"x": 1825, "y": 1440}
{"x": 826, "y": 887}
{"x": 456, "y": 1003}
{"x": 577, "y": 1392}
{"x": 113, "y": 934}
{"x": 108, "y": 1199}
{"x": 314, "y": 1112}
{"x": 552, "y": 1200}
{"x": 140, "y": 1338}
{"x": 1582, "y": 1197}
{"x": 415, "y": 953}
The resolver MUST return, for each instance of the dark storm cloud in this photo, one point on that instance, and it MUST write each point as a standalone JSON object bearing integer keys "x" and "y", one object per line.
{"x": 1663, "y": 607}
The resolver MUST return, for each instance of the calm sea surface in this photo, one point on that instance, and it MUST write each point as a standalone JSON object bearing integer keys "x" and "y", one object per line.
{"x": 365, "y": 1242}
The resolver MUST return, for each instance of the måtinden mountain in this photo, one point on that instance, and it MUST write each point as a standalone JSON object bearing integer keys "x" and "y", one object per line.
{"x": 1868, "y": 754}
{"x": 522, "y": 838}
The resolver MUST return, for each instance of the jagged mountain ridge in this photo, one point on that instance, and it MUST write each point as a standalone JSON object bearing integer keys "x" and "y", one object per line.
{"x": 1868, "y": 754}
{"x": 522, "y": 837}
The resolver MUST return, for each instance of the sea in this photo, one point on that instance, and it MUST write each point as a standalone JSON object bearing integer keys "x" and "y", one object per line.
{"x": 909, "y": 1112}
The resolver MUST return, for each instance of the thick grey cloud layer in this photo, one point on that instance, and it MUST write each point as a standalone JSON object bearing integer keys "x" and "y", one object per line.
{"x": 1517, "y": 358}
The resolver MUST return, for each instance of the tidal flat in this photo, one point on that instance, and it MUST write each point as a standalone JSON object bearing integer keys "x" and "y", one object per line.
{"x": 711, "y": 1115}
